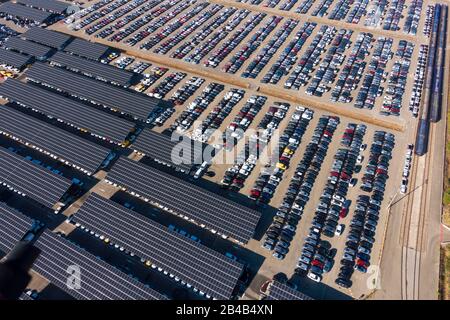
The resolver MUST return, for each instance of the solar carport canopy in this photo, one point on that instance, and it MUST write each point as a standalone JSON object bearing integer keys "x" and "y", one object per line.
{"x": 13, "y": 59}
{"x": 99, "y": 280}
{"x": 13, "y": 226}
{"x": 18, "y": 10}
{"x": 60, "y": 144}
{"x": 203, "y": 206}
{"x": 31, "y": 179}
{"x": 46, "y": 37}
{"x": 72, "y": 112}
{"x": 47, "y": 5}
{"x": 192, "y": 262}
{"x": 87, "y": 49}
{"x": 30, "y": 48}
{"x": 161, "y": 147}
{"x": 134, "y": 104}
{"x": 280, "y": 291}
{"x": 93, "y": 68}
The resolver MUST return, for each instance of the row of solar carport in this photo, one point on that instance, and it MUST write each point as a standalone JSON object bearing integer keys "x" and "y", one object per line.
{"x": 75, "y": 115}
{"x": 200, "y": 268}
{"x": 197, "y": 204}
{"x": 33, "y": 12}
{"x": 99, "y": 280}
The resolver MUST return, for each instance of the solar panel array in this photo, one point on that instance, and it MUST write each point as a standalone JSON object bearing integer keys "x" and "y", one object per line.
{"x": 84, "y": 117}
{"x": 192, "y": 262}
{"x": 46, "y": 37}
{"x": 82, "y": 154}
{"x": 31, "y": 179}
{"x": 99, "y": 92}
{"x": 93, "y": 68}
{"x": 281, "y": 291}
{"x": 160, "y": 147}
{"x": 202, "y": 206}
{"x": 30, "y": 48}
{"x": 99, "y": 280}
{"x": 13, "y": 59}
{"x": 13, "y": 226}
{"x": 18, "y": 10}
{"x": 87, "y": 49}
{"x": 47, "y": 5}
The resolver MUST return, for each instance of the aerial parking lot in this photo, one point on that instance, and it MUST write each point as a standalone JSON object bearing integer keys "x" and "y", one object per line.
{"x": 307, "y": 110}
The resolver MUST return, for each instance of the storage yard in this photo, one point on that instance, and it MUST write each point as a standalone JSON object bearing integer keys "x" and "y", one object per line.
{"x": 311, "y": 135}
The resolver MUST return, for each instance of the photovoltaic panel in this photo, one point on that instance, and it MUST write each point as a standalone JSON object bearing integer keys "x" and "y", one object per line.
{"x": 101, "y": 93}
{"x": 99, "y": 280}
{"x": 24, "y": 12}
{"x": 24, "y": 46}
{"x": 67, "y": 110}
{"x": 13, "y": 59}
{"x": 281, "y": 291}
{"x": 13, "y": 226}
{"x": 59, "y": 144}
{"x": 93, "y": 68}
{"x": 202, "y": 206}
{"x": 47, "y": 5}
{"x": 46, "y": 37}
{"x": 160, "y": 147}
{"x": 31, "y": 179}
{"x": 192, "y": 262}
{"x": 87, "y": 49}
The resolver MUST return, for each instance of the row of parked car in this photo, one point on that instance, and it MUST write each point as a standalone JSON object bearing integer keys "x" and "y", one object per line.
{"x": 371, "y": 87}
{"x": 150, "y": 78}
{"x": 191, "y": 43}
{"x": 84, "y": 12}
{"x": 322, "y": 8}
{"x": 329, "y": 67}
{"x": 311, "y": 57}
{"x": 114, "y": 16}
{"x": 304, "y": 6}
{"x": 393, "y": 15}
{"x": 171, "y": 27}
{"x": 406, "y": 168}
{"x": 179, "y": 97}
{"x": 217, "y": 116}
{"x": 196, "y": 107}
{"x": 139, "y": 67}
{"x": 395, "y": 91}
{"x": 158, "y": 18}
{"x": 375, "y": 13}
{"x": 340, "y": 10}
{"x": 269, "y": 50}
{"x": 302, "y": 183}
{"x": 213, "y": 40}
{"x": 353, "y": 69}
{"x": 281, "y": 232}
{"x": 231, "y": 43}
{"x": 239, "y": 58}
{"x": 108, "y": 8}
{"x": 236, "y": 129}
{"x": 269, "y": 179}
{"x": 187, "y": 30}
{"x": 288, "y": 57}
{"x": 428, "y": 20}
{"x": 142, "y": 18}
{"x": 413, "y": 17}
{"x": 358, "y": 10}
{"x": 166, "y": 85}
{"x": 236, "y": 175}
{"x": 419, "y": 79}
{"x": 361, "y": 236}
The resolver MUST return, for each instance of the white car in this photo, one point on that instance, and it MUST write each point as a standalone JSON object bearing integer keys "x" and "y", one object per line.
{"x": 339, "y": 230}
{"x": 314, "y": 277}
{"x": 360, "y": 159}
